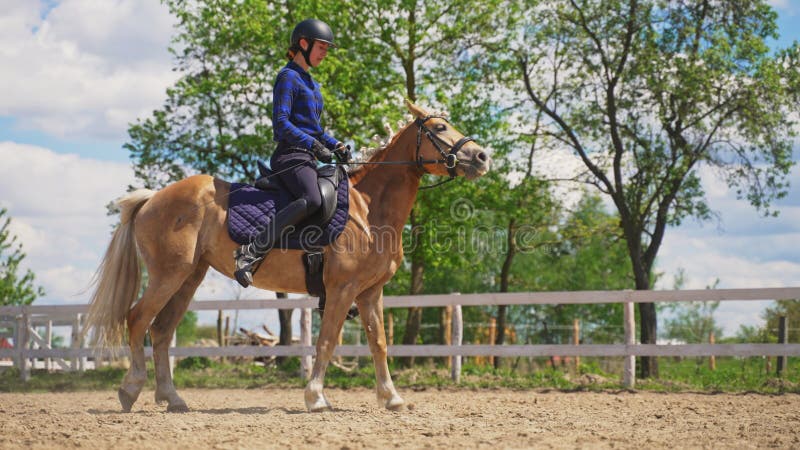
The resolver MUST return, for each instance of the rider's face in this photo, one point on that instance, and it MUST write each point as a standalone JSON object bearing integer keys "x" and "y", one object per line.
{"x": 318, "y": 53}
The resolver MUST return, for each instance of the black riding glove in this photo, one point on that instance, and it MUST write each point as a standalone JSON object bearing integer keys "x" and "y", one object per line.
{"x": 342, "y": 152}
{"x": 321, "y": 152}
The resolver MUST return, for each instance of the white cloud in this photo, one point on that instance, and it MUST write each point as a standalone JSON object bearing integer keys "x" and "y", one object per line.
{"x": 87, "y": 68}
{"x": 57, "y": 203}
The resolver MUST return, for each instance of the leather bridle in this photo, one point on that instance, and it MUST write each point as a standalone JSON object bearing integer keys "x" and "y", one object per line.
{"x": 449, "y": 159}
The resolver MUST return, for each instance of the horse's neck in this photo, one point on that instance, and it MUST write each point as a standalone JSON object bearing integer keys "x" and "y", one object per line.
{"x": 390, "y": 190}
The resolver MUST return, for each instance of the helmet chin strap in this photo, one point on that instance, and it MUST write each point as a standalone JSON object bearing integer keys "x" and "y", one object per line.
{"x": 307, "y": 53}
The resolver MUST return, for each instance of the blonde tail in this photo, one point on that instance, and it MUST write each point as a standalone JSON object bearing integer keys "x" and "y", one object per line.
{"x": 118, "y": 278}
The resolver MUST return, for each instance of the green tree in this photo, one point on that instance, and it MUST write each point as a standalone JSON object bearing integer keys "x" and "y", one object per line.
{"x": 693, "y": 322}
{"x": 645, "y": 93}
{"x": 14, "y": 289}
{"x": 750, "y": 334}
{"x": 786, "y": 308}
{"x": 217, "y": 116}
{"x": 586, "y": 252}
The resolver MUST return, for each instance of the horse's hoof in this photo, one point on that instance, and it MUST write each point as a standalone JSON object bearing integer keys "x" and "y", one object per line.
{"x": 396, "y": 404}
{"x": 321, "y": 404}
{"x": 126, "y": 400}
{"x": 178, "y": 408}
{"x": 320, "y": 408}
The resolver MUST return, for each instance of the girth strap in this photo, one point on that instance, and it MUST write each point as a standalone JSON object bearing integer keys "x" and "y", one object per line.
{"x": 314, "y": 263}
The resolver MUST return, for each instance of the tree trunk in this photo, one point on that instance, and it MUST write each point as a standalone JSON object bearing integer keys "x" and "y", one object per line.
{"x": 285, "y": 333}
{"x": 504, "y": 276}
{"x": 648, "y": 365}
{"x": 414, "y": 318}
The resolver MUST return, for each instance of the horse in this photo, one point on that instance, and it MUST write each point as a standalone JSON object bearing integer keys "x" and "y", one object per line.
{"x": 181, "y": 230}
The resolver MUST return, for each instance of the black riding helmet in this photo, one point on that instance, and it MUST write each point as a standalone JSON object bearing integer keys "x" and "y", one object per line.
{"x": 311, "y": 30}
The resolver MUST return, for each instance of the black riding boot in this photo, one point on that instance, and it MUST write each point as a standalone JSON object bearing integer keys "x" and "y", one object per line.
{"x": 248, "y": 256}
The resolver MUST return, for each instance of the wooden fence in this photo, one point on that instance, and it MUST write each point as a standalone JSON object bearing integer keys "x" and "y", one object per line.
{"x": 26, "y": 317}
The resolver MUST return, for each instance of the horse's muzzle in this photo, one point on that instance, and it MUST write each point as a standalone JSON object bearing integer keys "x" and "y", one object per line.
{"x": 474, "y": 161}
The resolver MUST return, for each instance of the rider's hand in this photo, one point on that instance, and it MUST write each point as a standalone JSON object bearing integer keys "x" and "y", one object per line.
{"x": 321, "y": 152}
{"x": 342, "y": 152}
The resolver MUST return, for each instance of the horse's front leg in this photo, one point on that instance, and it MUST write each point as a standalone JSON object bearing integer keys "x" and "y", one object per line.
{"x": 370, "y": 306}
{"x": 336, "y": 308}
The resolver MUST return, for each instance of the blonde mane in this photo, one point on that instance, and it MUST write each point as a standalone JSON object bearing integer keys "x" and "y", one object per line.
{"x": 377, "y": 153}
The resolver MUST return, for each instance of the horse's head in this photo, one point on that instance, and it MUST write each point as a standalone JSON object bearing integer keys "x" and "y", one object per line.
{"x": 443, "y": 150}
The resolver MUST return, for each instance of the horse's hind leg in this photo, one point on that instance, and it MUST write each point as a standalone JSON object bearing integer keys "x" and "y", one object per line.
{"x": 338, "y": 304}
{"x": 161, "y": 333}
{"x": 370, "y": 305}
{"x": 159, "y": 290}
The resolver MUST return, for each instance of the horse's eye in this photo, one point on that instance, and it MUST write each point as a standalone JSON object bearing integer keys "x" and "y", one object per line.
{"x": 440, "y": 127}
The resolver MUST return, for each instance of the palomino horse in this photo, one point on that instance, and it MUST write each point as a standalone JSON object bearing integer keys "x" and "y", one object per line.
{"x": 181, "y": 230}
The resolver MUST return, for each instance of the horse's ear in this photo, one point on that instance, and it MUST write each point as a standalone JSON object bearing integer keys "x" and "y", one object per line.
{"x": 417, "y": 111}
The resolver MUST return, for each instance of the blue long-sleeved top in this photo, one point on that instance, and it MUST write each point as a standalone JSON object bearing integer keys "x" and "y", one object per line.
{"x": 296, "y": 110}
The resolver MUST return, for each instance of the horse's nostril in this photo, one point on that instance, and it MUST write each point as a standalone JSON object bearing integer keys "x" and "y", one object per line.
{"x": 482, "y": 157}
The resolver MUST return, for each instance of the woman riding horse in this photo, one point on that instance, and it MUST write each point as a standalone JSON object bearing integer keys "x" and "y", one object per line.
{"x": 297, "y": 107}
{"x": 181, "y": 231}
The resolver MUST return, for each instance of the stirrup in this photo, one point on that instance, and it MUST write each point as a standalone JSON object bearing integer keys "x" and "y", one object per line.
{"x": 246, "y": 261}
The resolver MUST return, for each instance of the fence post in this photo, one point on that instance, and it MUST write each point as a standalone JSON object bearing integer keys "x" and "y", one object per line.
{"x": 712, "y": 360}
{"x": 48, "y": 335}
{"x": 227, "y": 332}
{"x": 448, "y": 330}
{"x": 21, "y": 342}
{"x": 576, "y": 340}
{"x": 85, "y": 344}
{"x": 75, "y": 341}
{"x": 390, "y": 331}
{"x": 456, "y": 340}
{"x": 172, "y": 344}
{"x": 629, "y": 371}
{"x": 18, "y": 342}
{"x": 783, "y": 338}
{"x": 492, "y": 337}
{"x": 305, "y": 340}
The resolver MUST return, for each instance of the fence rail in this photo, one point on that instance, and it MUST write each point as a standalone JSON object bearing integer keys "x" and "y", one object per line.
{"x": 24, "y": 318}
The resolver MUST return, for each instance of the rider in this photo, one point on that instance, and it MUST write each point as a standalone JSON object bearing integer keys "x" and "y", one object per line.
{"x": 296, "y": 111}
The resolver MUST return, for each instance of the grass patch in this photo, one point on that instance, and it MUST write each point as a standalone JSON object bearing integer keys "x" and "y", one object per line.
{"x": 731, "y": 375}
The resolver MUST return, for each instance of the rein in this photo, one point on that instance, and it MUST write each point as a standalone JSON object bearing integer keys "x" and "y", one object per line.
{"x": 449, "y": 159}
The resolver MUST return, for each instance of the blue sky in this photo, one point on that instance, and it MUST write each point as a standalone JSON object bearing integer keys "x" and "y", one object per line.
{"x": 76, "y": 73}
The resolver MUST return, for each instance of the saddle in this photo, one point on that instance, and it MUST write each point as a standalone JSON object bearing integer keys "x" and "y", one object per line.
{"x": 328, "y": 178}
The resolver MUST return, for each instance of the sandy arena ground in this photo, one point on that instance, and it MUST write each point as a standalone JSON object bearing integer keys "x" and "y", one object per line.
{"x": 276, "y": 418}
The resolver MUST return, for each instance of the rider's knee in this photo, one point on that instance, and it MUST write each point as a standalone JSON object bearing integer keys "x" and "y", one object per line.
{"x": 313, "y": 203}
